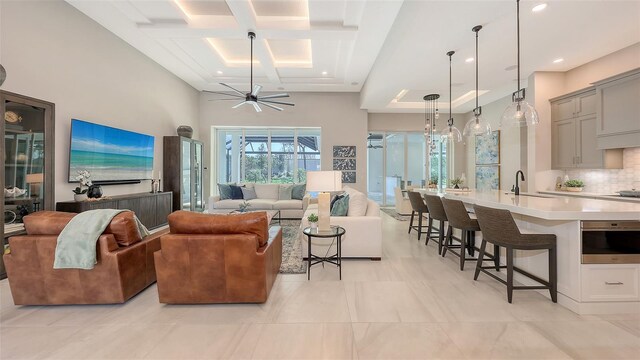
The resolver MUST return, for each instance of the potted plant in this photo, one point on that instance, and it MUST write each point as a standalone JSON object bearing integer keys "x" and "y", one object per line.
{"x": 433, "y": 183}
{"x": 313, "y": 221}
{"x": 80, "y": 192}
{"x": 244, "y": 206}
{"x": 574, "y": 185}
{"x": 456, "y": 182}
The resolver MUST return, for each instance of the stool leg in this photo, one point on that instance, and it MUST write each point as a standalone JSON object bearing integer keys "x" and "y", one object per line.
{"x": 419, "y": 224}
{"x": 472, "y": 243}
{"x": 463, "y": 242}
{"x": 447, "y": 241}
{"x": 440, "y": 237}
{"x": 411, "y": 222}
{"x": 496, "y": 257}
{"x": 509, "y": 274}
{"x": 483, "y": 246}
{"x": 429, "y": 229}
{"x": 553, "y": 274}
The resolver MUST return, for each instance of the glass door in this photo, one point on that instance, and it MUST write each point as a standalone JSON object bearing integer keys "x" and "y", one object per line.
{"x": 395, "y": 169}
{"x": 186, "y": 175}
{"x": 375, "y": 167}
{"x": 198, "y": 200}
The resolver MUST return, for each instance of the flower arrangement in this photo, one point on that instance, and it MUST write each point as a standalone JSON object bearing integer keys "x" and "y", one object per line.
{"x": 84, "y": 177}
{"x": 433, "y": 183}
{"x": 244, "y": 206}
{"x": 574, "y": 185}
{"x": 456, "y": 182}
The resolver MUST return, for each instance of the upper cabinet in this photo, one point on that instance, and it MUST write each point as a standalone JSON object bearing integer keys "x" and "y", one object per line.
{"x": 573, "y": 134}
{"x": 618, "y": 111}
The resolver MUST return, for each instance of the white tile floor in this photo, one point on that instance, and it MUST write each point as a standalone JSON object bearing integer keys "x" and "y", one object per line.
{"x": 411, "y": 305}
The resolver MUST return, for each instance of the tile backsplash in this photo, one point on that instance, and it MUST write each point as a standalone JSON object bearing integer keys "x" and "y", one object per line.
{"x": 610, "y": 181}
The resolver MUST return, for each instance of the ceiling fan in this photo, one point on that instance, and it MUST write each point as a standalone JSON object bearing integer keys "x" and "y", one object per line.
{"x": 376, "y": 137}
{"x": 252, "y": 97}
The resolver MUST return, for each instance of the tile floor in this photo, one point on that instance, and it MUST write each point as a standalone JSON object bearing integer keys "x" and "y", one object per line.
{"x": 411, "y": 305}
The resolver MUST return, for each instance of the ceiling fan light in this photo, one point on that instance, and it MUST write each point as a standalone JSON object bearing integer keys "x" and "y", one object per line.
{"x": 519, "y": 114}
{"x": 477, "y": 126}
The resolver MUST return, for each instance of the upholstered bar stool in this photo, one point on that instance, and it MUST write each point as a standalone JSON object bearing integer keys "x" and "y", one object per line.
{"x": 418, "y": 207}
{"x": 499, "y": 228}
{"x": 436, "y": 212}
{"x": 459, "y": 219}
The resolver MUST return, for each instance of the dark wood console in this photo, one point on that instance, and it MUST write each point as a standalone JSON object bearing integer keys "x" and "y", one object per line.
{"x": 151, "y": 208}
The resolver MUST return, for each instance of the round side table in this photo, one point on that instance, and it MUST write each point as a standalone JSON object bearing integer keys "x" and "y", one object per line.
{"x": 336, "y": 259}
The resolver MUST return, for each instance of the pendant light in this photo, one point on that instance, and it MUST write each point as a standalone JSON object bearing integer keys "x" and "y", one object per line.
{"x": 430, "y": 117}
{"x": 450, "y": 133}
{"x": 520, "y": 113}
{"x": 477, "y": 125}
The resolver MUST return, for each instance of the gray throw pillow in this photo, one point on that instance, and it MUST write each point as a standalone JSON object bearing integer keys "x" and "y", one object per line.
{"x": 340, "y": 206}
{"x": 285, "y": 192}
{"x": 225, "y": 191}
{"x": 298, "y": 191}
{"x": 249, "y": 193}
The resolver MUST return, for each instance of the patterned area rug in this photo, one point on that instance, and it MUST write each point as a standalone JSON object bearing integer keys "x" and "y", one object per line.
{"x": 392, "y": 212}
{"x": 292, "y": 249}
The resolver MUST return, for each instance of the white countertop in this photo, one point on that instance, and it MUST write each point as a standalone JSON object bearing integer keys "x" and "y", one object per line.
{"x": 550, "y": 208}
{"x": 591, "y": 195}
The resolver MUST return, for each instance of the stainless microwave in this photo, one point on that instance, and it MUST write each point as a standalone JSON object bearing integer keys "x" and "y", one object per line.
{"x": 610, "y": 242}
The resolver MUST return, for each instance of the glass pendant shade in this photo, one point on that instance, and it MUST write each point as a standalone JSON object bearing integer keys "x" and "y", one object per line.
{"x": 520, "y": 113}
{"x": 450, "y": 133}
{"x": 477, "y": 126}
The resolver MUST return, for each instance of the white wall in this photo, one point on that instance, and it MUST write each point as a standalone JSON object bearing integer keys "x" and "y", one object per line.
{"x": 53, "y": 52}
{"x": 337, "y": 114}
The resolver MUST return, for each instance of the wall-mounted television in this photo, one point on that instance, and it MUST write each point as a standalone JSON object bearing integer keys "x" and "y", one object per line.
{"x": 111, "y": 155}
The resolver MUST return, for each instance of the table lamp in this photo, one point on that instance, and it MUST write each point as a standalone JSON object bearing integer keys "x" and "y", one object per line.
{"x": 324, "y": 182}
{"x": 31, "y": 179}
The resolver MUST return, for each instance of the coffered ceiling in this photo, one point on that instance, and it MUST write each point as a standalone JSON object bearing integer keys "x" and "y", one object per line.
{"x": 301, "y": 45}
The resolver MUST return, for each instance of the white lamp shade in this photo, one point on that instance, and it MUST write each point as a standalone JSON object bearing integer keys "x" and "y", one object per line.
{"x": 324, "y": 181}
{"x": 34, "y": 178}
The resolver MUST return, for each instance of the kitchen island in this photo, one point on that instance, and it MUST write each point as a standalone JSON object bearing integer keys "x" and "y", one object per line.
{"x": 585, "y": 288}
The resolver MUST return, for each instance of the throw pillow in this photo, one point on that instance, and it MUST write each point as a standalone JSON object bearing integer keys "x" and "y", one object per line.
{"x": 285, "y": 192}
{"x": 358, "y": 202}
{"x": 225, "y": 191}
{"x": 298, "y": 191}
{"x": 340, "y": 206}
{"x": 249, "y": 193}
{"x": 236, "y": 192}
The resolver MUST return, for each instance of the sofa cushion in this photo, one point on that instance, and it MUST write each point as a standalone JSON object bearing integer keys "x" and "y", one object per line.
{"x": 225, "y": 191}
{"x": 236, "y": 192}
{"x": 261, "y": 204}
{"x": 287, "y": 205}
{"x": 267, "y": 191}
{"x": 285, "y": 192}
{"x": 227, "y": 204}
{"x": 298, "y": 191}
{"x": 249, "y": 193}
{"x": 340, "y": 206}
{"x": 187, "y": 222}
{"x": 46, "y": 222}
{"x": 124, "y": 229}
{"x": 357, "y": 202}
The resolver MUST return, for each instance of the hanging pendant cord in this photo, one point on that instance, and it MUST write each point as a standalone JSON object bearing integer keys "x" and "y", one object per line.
{"x": 477, "y": 69}
{"x": 251, "y": 85}
{"x": 450, "y": 53}
{"x": 518, "y": 35}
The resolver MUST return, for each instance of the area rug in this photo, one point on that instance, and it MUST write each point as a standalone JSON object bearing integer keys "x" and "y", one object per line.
{"x": 392, "y": 212}
{"x": 292, "y": 249}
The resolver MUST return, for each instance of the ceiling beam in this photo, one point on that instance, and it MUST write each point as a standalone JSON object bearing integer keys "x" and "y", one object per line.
{"x": 316, "y": 32}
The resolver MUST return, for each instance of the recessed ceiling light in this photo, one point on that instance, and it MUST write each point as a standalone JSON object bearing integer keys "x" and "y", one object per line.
{"x": 469, "y": 60}
{"x": 354, "y": 83}
{"x": 324, "y": 73}
{"x": 219, "y": 72}
{"x": 539, "y": 7}
{"x": 280, "y": 88}
{"x": 556, "y": 61}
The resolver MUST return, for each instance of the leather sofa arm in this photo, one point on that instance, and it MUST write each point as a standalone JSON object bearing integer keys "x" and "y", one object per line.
{"x": 107, "y": 243}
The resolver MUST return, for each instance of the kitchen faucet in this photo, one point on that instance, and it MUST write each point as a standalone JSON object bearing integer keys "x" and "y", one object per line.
{"x": 516, "y": 189}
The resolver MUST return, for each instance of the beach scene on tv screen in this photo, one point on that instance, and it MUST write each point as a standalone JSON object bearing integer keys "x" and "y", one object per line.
{"x": 109, "y": 154}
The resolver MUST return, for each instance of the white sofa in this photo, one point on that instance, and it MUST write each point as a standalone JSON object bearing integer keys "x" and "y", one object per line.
{"x": 362, "y": 238}
{"x": 267, "y": 199}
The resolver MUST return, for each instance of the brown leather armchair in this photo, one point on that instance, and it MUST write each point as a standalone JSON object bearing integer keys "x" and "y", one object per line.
{"x": 125, "y": 263}
{"x": 218, "y": 258}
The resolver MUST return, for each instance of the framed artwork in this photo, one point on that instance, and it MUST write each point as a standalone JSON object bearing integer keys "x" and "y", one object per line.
{"x": 488, "y": 149}
{"x": 344, "y": 164}
{"x": 344, "y": 151}
{"x": 487, "y": 177}
{"x": 348, "y": 177}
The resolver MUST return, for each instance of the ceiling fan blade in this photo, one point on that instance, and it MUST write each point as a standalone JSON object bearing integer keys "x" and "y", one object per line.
{"x": 256, "y": 106}
{"x": 238, "y": 105}
{"x": 232, "y": 99}
{"x": 271, "y": 106}
{"x": 275, "y": 96}
{"x": 223, "y": 93}
{"x": 256, "y": 90}
{"x": 234, "y": 89}
{"x": 276, "y": 102}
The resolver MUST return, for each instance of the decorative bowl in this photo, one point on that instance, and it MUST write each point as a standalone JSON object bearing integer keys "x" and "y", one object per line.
{"x": 574, "y": 189}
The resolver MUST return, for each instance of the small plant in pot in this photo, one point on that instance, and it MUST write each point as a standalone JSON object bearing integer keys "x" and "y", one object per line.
{"x": 574, "y": 185}
{"x": 80, "y": 192}
{"x": 456, "y": 182}
{"x": 433, "y": 183}
{"x": 244, "y": 206}
{"x": 313, "y": 221}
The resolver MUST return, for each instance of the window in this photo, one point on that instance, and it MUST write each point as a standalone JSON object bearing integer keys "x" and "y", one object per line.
{"x": 277, "y": 155}
{"x": 438, "y": 163}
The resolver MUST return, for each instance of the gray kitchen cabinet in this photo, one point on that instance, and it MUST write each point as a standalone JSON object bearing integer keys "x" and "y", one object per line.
{"x": 574, "y": 133}
{"x": 618, "y": 115}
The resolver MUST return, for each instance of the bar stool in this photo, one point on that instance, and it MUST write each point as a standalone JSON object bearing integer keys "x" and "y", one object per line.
{"x": 499, "y": 228}
{"x": 459, "y": 219}
{"x": 436, "y": 212}
{"x": 417, "y": 206}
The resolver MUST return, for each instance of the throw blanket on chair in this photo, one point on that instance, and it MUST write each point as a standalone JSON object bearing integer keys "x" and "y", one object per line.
{"x": 76, "y": 247}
